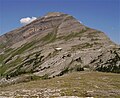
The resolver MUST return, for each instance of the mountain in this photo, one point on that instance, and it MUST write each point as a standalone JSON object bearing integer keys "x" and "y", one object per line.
{"x": 54, "y": 45}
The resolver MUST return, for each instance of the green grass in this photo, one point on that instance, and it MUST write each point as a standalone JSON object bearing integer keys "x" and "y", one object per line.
{"x": 76, "y": 84}
{"x": 15, "y": 67}
{"x": 11, "y": 53}
{"x": 50, "y": 37}
{"x": 23, "y": 48}
{"x": 1, "y": 58}
{"x": 93, "y": 34}
{"x": 94, "y": 39}
{"x": 82, "y": 46}
{"x": 2, "y": 46}
{"x": 5, "y": 67}
{"x": 74, "y": 34}
{"x": 7, "y": 52}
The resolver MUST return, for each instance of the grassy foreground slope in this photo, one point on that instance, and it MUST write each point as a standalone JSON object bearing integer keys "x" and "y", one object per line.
{"x": 81, "y": 84}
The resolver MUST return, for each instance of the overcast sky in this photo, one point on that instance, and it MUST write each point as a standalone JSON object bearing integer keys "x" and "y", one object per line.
{"x": 103, "y": 15}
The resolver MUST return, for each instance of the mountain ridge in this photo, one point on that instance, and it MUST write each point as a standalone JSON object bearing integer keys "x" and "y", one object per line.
{"x": 33, "y": 48}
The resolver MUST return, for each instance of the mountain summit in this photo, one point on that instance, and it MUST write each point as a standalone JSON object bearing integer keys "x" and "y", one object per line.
{"x": 56, "y": 44}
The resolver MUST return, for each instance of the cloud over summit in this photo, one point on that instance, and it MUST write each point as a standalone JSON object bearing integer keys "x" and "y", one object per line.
{"x": 27, "y": 20}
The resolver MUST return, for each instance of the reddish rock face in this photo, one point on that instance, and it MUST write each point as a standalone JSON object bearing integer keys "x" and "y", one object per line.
{"x": 64, "y": 24}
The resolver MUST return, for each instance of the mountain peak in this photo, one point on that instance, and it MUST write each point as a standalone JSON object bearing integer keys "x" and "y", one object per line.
{"x": 32, "y": 48}
{"x": 53, "y": 14}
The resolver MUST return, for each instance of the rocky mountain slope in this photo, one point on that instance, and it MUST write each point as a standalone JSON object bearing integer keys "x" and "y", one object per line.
{"x": 53, "y": 45}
